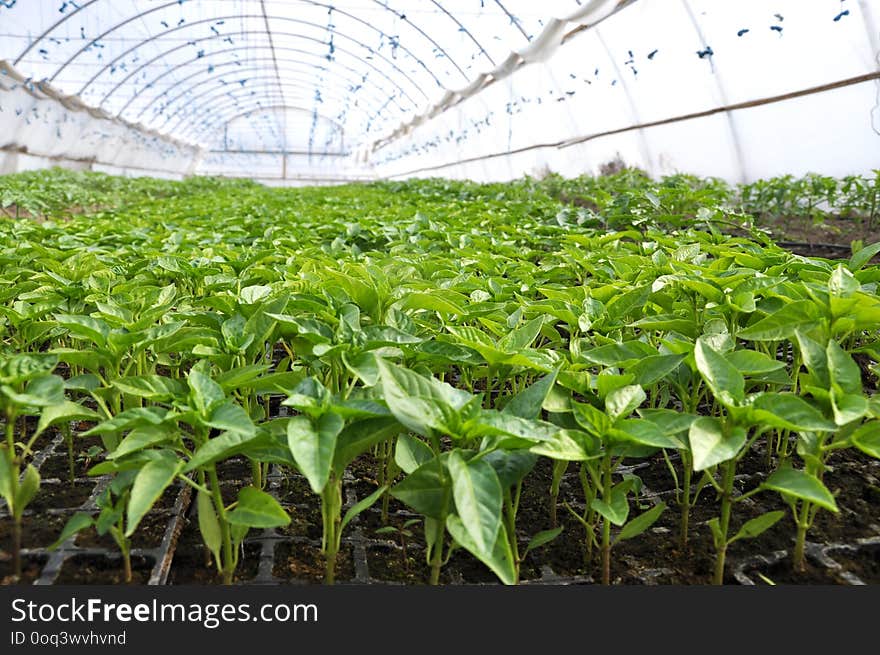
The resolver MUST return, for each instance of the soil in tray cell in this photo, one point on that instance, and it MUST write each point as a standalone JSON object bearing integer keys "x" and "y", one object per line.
{"x": 863, "y": 562}
{"x": 148, "y": 534}
{"x": 31, "y": 567}
{"x": 304, "y": 522}
{"x": 35, "y": 532}
{"x": 58, "y": 467}
{"x": 62, "y": 495}
{"x": 386, "y": 564}
{"x": 192, "y": 563}
{"x": 782, "y": 573}
{"x": 100, "y": 569}
{"x": 302, "y": 562}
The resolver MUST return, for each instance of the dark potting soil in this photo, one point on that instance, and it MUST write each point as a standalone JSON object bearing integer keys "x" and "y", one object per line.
{"x": 303, "y": 562}
{"x": 58, "y": 467}
{"x": 148, "y": 535}
{"x": 863, "y": 562}
{"x": 782, "y": 573}
{"x": 386, "y": 563}
{"x": 304, "y": 522}
{"x": 100, "y": 569}
{"x": 189, "y": 566}
{"x": 34, "y": 534}
{"x": 31, "y": 568}
{"x": 61, "y": 495}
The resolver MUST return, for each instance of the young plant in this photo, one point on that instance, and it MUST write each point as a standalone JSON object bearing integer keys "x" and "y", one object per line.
{"x": 323, "y": 445}
{"x": 25, "y": 387}
{"x": 111, "y": 519}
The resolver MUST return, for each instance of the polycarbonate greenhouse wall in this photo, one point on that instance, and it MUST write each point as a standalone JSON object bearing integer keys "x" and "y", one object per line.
{"x": 300, "y": 91}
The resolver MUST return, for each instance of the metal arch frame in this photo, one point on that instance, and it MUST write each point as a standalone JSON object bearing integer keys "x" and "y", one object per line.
{"x": 245, "y": 33}
{"x": 228, "y": 120}
{"x": 236, "y": 105}
{"x": 513, "y": 20}
{"x": 461, "y": 26}
{"x": 189, "y": 62}
{"x": 257, "y": 16}
{"x": 181, "y": 115}
{"x": 185, "y": 116}
{"x": 171, "y": 102}
{"x": 404, "y": 18}
{"x": 78, "y": 8}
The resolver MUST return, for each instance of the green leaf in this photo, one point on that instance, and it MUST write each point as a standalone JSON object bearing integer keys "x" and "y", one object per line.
{"x": 751, "y": 362}
{"x": 848, "y": 407}
{"x": 845, "y": 373}
{"x": 85, "y": 327}
{"x": 65, "y": 411}
{"x": 427, "y": 490}
{"x": 511, "y": 466}
{"x": 710, "y": 446}
{"x": 815, "y": 358}
{"x": 365, "y": 365}
{"x": 257, "y": 509}
{"x": 229, "y": 416}
{"x": 77, "y": 523}
{"x": 722, "y": 377}
{"x": 148, "y": 487}
{"x": 842, "y": 283}
{"x": 478, "y": 498}
{"x": 624, "y": 401}
{"x": 867, "y": 439}
{"x": 522, "y": 337}
{"x": 499, "y": 560}
{"x": 801, "y": 484}
{"x": 410, "y": 453}
{"x": 650, "y": 370}
{"x": 784, "y": 323}
{"x": 27, "y": 489}
{"x": 206, "y": 393}
{"x": 362, "y": 505}
{"x": 616, "y": 508}
{"x": 360, "y": 436}
{"x": 7, "y": 474}
{"x": 219, "y": 448}
{"x": 568, "y": 446}
{"x": 423, "y": 405}
{"x": 430, "y": 302}
{"x": 140, "y": 438}
{"x": 789, "y": 412}
{"x": 641, "y": 523}
{"x": 645, "y": 433}
{"x": 542, "y": 538}
{"x": 863, "y": 256}
{"x": 758, "y": 526}
{"x": 152, "y": 387}
{"x": 313, "y": 444}
{"x": 528, "y": 403}
{"x": 209, "y": 524}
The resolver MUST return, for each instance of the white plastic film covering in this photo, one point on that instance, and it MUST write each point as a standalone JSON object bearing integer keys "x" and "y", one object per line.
{"x": 740, "y": 90}
{"x": 489, "y": 89}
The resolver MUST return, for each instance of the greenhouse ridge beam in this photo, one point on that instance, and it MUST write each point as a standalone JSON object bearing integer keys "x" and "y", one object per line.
{"x": 242, "y": 70}
{"x": 567, "y": 143}
{"x": 219, "y": 94}
{"x": 188, "y": 62}
{"x": 275, "y": 65}
{"x": 238, "y": 104}
{"x": 247, "y": 16}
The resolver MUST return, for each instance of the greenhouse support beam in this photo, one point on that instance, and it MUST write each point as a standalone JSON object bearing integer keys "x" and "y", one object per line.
{"x": 859, "y": 79}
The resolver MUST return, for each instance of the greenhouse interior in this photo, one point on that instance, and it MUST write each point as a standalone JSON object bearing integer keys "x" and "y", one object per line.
{"x": 440, "y": 292}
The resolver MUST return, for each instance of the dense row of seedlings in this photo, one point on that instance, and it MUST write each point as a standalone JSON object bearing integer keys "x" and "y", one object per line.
{"x": 459, "y": 334}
